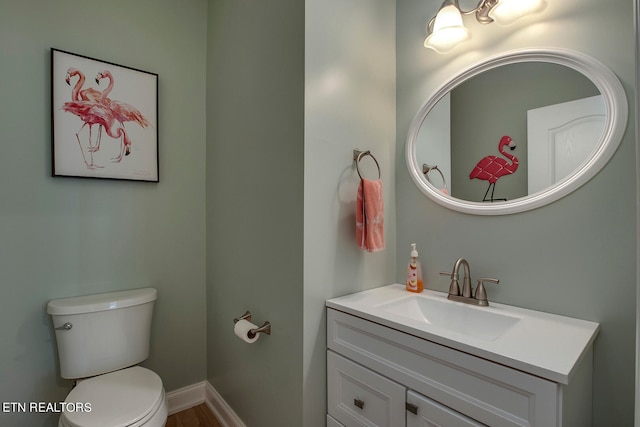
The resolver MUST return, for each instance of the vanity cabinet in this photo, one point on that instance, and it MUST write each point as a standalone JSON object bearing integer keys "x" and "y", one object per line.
{"x": 381, "y": 376}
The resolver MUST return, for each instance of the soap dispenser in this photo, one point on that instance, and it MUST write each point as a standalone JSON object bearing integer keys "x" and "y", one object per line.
{"x": 414, "y": 272}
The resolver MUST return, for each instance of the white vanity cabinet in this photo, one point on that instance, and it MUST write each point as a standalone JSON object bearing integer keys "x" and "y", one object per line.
{"x": 382, "y": 376}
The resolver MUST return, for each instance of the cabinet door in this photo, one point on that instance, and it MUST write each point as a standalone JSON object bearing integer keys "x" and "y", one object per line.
{"x": 429, "y": 413}
{"x": 359, "y": 397}
{"x": 331, "y": 422}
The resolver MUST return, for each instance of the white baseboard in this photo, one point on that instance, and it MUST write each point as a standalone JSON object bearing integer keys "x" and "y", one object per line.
{"x": 221, "y": 409}
{"x": 186, "y": 397}
{"x": 203, "y": 392}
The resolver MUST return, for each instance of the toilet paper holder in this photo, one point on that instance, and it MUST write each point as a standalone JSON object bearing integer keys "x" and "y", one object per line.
{"x": 265, "y": 328}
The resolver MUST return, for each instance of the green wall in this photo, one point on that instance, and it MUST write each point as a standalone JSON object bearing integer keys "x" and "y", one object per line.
{"x": 349, "y": 104}
{"x": 290, "y": 94}
{"x": 255, "y": 146}
{"x": 65, "y": 236}
{"x": 575, "y": 257}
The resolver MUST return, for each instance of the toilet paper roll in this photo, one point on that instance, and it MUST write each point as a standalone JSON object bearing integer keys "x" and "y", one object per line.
{"x": 242, "y": 328}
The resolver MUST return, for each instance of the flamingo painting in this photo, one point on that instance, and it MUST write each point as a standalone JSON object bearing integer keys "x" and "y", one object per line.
{"x": 109, "y": 112}
{"x": 95, "y": 107}
{"x": 80, "y": 94}
{"x": 77, "y": 93}
{"x": 490, "y": 168}
{"x": 91, "y": 113}
{"x": 121, "y": 111}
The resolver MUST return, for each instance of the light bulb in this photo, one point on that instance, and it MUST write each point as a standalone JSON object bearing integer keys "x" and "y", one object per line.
{"x": 448, "y": 30}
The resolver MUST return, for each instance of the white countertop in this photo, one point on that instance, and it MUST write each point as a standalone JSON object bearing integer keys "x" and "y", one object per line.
{"x": 547, "y": 345}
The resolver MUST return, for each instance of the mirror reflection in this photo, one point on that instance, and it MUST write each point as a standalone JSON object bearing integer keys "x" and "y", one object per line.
{"x": 511, "y": 131}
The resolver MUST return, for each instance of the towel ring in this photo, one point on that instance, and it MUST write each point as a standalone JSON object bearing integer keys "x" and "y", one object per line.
{"x": 428, "y": 168}
{"x": 358, "y": 155}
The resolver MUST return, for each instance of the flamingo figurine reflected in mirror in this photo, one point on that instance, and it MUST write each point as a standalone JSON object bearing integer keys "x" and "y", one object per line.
{"x": 490, "y": 168}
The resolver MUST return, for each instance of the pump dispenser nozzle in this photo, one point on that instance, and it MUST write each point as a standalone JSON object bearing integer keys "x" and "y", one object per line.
{"x": 414, "y": 251}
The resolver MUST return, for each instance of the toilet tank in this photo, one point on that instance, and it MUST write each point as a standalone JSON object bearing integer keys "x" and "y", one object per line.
{"x": 101, "y": 333}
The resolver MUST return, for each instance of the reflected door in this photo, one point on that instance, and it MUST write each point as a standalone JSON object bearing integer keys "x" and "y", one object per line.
{"x": 560, "y": 138}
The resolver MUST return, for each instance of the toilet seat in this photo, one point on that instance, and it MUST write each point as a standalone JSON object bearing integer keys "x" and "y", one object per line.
{"x": 129, "y": 397}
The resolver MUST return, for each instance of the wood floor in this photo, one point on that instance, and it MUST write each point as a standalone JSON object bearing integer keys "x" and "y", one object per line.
{"x": 198, "y": 416}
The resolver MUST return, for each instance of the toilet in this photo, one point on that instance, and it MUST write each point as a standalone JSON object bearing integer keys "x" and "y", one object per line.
{"x": 101, "y": 339}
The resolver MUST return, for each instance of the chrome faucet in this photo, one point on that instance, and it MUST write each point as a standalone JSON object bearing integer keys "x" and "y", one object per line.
{"x": 467, "y": 296}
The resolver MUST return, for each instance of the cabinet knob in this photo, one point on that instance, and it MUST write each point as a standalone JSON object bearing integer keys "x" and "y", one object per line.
{"x": 359, "y": 403}
{"x": 412, "y": 408}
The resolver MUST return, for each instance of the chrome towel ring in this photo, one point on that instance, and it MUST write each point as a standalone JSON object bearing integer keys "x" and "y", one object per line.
{"x": 358, "y": 155}
{"x": 428, "y": 168}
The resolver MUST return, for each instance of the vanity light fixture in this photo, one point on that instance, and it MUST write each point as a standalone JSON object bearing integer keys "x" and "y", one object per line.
{"x": 446, "y": 30}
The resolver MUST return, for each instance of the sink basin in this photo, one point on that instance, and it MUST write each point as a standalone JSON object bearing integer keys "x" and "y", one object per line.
{"x": 478, "y": 322}
{"x": 542, "y": 344}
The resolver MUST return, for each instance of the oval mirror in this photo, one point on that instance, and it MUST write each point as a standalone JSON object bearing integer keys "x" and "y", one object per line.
{"x": 516, "y": 131}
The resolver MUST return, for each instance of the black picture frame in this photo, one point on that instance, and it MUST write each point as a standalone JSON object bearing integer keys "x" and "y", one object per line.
{"x": 104, "y": 119}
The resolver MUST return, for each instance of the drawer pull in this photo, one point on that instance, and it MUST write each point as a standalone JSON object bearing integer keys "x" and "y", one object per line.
{"x": 359, "y": 403}
{"x": 412, "y": 408}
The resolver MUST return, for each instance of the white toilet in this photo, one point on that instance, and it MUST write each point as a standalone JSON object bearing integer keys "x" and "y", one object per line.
{"x": 101, "y": 338}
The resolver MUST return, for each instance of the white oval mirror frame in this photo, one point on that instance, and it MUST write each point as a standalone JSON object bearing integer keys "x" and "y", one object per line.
{"x": 615, "y": 125}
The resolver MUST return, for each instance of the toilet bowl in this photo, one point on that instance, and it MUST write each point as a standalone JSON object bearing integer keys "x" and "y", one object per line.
{"x": 101, "y": 339}
{"x": 132, "y": 397}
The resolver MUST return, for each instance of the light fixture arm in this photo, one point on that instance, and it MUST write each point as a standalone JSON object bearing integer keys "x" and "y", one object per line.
{"x": 481, "y": 11}
{"x": 446, "y": 28}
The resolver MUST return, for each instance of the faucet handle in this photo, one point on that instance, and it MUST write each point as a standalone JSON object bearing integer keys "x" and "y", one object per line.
{"x": 481, "y": 293}
{"x": 454, "y": 288}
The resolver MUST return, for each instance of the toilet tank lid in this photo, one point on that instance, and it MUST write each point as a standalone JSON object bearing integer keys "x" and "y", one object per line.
{"x": 101, "y": 302}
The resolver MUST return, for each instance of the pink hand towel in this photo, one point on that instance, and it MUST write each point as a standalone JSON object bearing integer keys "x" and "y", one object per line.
{"x": 370, "y": 216}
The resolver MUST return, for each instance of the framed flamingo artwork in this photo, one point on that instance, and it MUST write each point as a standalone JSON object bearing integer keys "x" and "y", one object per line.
{"x": 104, "y": 119}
